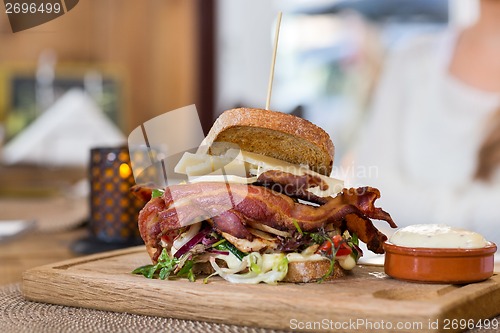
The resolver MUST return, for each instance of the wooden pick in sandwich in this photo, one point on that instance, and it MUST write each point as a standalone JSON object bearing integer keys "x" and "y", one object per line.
{"x": 273, "y": 62}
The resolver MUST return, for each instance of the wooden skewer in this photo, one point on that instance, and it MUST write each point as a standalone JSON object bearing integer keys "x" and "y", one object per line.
{"x": 273, "y": 62}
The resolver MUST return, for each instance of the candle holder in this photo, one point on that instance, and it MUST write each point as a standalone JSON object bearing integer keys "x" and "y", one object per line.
{"x": 114, "y": 209}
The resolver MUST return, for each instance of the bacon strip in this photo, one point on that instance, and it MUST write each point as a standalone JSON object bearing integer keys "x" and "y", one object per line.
{"x": 143, "y": 192}
{"x": 364, "y": 199}
{"x": 231, "y": 222}
{"x": 293, "y": 185}
{"x": 196, "y": 202}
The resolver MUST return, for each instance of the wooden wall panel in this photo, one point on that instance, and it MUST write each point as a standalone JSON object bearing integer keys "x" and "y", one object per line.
{"x": 153, "y": 43}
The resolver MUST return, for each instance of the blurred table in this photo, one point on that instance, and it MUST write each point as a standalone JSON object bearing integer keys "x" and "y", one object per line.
{"x": 54, "y": 198}
{"x": 47, "y": 196}
{"x": 35, "y": 181}
{"x": 35, "y": 249}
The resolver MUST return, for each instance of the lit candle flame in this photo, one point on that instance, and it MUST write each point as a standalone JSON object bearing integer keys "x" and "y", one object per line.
{"x": 125, "y": 171}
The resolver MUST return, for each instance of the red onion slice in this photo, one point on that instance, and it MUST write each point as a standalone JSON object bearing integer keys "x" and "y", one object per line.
{"x": 195, "y": 240}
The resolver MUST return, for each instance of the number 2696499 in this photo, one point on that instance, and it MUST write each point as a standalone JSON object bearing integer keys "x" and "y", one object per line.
{"x": 32, "y": 8}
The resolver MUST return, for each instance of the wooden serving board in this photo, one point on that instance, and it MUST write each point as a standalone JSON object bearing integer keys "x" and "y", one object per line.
{"x": 366, "y": 300}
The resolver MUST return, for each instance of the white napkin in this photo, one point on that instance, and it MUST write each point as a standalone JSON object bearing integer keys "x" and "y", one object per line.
{"x": 11, "y": 228}
{"x": 64, "y": 134}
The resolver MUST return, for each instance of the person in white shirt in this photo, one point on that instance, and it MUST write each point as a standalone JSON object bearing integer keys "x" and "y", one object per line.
{"x": 431, "y": 142}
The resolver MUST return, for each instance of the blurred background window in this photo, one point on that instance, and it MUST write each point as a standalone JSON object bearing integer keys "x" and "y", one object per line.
{"x": 329, "y": 57}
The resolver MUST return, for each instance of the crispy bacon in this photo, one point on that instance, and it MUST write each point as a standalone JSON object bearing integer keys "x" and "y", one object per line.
{"x": 364, "y": 199}
{"x": 182, "y": 205}
{"x": 293, "y": 185}
{"x": 143, "y": 192}
{"x": 231, "y": 222}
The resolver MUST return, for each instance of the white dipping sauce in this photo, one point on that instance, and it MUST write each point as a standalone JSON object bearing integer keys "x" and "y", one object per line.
{"x": 437, "y": 236}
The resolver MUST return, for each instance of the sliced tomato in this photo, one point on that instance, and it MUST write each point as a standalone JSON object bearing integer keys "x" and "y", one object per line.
{"x": 344, "y": 250}
{"x": 326, "y": 247}
{"x": 338, "y": 242}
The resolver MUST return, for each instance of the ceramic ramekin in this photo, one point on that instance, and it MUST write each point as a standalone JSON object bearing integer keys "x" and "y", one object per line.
{"x": 438, "y": 265}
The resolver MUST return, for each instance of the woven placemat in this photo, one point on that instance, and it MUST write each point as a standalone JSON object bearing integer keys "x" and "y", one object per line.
{"x": 20, "y": 315}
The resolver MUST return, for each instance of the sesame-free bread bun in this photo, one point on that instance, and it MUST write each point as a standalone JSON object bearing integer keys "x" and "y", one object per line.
{"x": 310, "y": 271}
{"x": 274, "y": 134}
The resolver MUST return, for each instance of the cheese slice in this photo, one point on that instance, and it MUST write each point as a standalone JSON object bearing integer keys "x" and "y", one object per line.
{"x": 232, "y": 167}
{"x": 200, "y": 164}
{"x": 223, "y": 179}
{"x": 266, "y": 163}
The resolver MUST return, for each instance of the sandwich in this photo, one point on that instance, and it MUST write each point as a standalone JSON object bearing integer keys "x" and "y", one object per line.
{"x": 259, "y": 205}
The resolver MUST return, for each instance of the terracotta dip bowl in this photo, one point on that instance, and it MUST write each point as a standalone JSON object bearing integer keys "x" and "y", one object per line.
{"x": 439, "y": 265}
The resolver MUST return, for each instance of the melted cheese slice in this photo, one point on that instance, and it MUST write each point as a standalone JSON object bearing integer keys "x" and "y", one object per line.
{"x": 233, "y": 166}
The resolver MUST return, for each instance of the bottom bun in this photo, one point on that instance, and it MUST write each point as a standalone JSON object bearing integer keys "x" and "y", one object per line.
{"x": 205, "y": 268}
{"x": 298, "y": 272}
{"x": 310, "y": 271}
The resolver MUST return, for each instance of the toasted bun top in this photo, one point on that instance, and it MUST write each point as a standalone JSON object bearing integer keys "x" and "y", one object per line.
{"x": 274, "y": 134}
